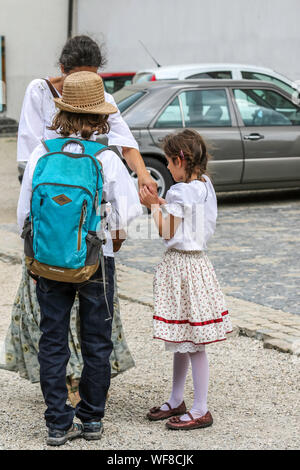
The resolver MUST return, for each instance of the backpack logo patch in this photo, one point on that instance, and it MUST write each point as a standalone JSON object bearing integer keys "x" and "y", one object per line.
{"x": 62, "y": 199}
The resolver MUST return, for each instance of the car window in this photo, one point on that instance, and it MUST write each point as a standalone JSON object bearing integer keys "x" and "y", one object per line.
{"x": 113, "y": 84}
{"x": 268, "y": 78}
{"x": 124, "y": 98}
{"x": 142, "y": 77}
{"x": 266, "y": 108}
{"x": 217, "y": 75}
{"x": 205, "y": 108}
{"x": 171, "y": 116}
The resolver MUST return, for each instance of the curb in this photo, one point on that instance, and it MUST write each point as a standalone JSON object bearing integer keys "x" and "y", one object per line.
{"x": 276, "y": 329}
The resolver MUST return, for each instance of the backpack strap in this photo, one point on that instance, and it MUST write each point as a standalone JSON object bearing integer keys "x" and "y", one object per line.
{"x": 51, "y": 88}
{"x": 89, "y": 147}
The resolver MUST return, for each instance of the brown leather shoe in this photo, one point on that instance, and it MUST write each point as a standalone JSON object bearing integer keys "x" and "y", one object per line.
{"x": 194, "y": 423}
{"x": 156, "y": 414}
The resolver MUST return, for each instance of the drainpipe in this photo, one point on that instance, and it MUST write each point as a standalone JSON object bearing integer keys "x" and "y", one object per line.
{"x": 70, "y": 18}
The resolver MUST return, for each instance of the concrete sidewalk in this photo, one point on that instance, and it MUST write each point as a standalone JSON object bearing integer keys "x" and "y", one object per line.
{"x": 277, "y": 329}
{"x": 253, "y": 392}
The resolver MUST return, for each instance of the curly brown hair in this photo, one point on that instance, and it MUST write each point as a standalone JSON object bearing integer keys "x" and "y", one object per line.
{"x": 190, "y": 147}
{"x": 66, "y": 123}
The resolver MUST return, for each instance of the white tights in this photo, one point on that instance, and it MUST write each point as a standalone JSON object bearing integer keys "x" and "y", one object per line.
{"x": 200, "y": 372}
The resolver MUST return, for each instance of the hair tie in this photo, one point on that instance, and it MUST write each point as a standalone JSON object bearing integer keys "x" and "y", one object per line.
{"x": 182, "y": 155}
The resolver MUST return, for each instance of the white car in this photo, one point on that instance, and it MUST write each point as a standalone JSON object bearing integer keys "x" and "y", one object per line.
{"x": 218, "y": 71}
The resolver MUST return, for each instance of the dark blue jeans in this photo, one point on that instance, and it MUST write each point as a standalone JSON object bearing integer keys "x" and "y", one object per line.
{"x": 56, "y": 300}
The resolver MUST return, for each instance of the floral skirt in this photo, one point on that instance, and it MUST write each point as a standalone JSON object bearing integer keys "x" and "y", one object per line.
{"x": 189, "y": 306}
{"x": 23, "y": 335}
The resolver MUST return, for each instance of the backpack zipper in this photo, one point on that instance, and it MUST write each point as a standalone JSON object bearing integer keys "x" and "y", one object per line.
{"x": 81, "y": 223}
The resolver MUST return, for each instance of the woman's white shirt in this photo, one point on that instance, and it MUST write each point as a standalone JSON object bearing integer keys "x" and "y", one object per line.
{"x": 38, "y": 110}
{"x": 118, "y": 189}
{"x": 196, "y": 204}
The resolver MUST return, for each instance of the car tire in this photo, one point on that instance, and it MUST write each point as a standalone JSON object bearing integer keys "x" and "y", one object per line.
{"x": 159, "y": 173}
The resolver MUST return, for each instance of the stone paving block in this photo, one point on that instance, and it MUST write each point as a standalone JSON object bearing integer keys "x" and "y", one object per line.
{"x": 295, "y": 347}
{"x": 246, "y": 331}
{"x": 288, "y": 330}
{"x": 264, "y": 333}
{"x": 293, "y": 322}
{"x": 278, "y": 344}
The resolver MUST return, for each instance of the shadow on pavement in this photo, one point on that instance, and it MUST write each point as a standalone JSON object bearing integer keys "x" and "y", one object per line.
{"x": 258, "y": 197}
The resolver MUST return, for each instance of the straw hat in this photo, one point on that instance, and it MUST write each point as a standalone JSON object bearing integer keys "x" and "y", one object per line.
{"x": 83, "y": 92}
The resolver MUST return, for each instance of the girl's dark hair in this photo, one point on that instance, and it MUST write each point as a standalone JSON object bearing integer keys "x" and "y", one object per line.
{"x": 81, "y": 51}
{"x": 66, "y": 123}
{"x": 191, "y": 148}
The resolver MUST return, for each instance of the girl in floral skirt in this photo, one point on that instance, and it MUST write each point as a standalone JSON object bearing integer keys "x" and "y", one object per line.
{"x": 190, "y": 309}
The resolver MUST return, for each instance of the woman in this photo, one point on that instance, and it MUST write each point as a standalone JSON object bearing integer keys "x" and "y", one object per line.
{"x": 21, "y": 344}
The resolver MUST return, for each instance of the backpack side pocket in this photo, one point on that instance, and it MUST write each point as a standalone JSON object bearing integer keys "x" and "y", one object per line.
{"x": 28, "y": 239}
{"x": 93, "y": 246}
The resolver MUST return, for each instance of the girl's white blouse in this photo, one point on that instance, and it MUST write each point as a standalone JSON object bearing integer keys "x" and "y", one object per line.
{"x": 196, "y": 204}
{"x": 38, "y": 111}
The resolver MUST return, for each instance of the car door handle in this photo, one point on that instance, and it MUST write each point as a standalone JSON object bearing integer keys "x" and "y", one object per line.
{"x": 254, "y": 137}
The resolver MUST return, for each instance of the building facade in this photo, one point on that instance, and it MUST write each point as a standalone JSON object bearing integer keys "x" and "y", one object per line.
{"x": 260, "y": 32}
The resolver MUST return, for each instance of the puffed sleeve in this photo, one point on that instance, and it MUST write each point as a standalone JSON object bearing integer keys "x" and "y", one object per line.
{"x": 175, "y": 200}
{"x": 31, "y": 124}
{"x": 119, "y": 134}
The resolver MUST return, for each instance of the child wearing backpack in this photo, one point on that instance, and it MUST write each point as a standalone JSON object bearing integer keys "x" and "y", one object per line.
{"x": 61, "y": 202}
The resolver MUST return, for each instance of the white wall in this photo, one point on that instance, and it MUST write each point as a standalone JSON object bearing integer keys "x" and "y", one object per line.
{"x": 35, "y": 32}
{"x": 261, "y": 32}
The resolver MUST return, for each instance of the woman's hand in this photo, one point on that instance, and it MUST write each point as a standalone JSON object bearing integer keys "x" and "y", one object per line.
{"x": 136, "y": 163}
{"x": 146, "y": 180}
{"x": 148, "y": 198}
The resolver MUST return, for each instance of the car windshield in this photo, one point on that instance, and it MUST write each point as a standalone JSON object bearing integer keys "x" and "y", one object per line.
{"x": 124, "y": 98}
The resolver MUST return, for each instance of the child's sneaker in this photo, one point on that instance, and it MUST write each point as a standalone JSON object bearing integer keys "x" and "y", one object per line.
{"x": 92, "y": 431}
{"x": 57, "y": 437}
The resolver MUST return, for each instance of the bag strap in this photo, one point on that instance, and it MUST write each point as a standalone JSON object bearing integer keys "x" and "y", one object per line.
{"x": 51, "y": 88}
{"x": 89, "y": 147}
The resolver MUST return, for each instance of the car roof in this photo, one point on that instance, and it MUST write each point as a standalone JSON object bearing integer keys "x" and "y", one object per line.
{"x": 115, "y": 74}
{"x": 214, "y": 83}
{"x": 183, "y": 67}
{"x": 203, "y": 83}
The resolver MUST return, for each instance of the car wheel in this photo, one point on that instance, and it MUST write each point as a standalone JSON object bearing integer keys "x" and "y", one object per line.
{"x": 159, "y": 173}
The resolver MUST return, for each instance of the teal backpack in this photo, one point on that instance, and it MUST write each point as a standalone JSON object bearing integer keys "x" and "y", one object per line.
{"x": 61, "y": 241}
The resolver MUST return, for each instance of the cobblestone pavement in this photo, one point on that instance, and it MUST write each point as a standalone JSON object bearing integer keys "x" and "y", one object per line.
{"x": 255, "y": 249}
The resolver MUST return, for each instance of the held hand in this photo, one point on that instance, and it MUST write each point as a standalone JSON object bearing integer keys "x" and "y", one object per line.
{"x": 162, "y": 201}
{"x": 146, "y": 180}
{"x": 147, "y": 198}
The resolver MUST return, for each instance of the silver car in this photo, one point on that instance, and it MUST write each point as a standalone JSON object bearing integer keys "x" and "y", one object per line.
{"x": 252, "y": 129}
